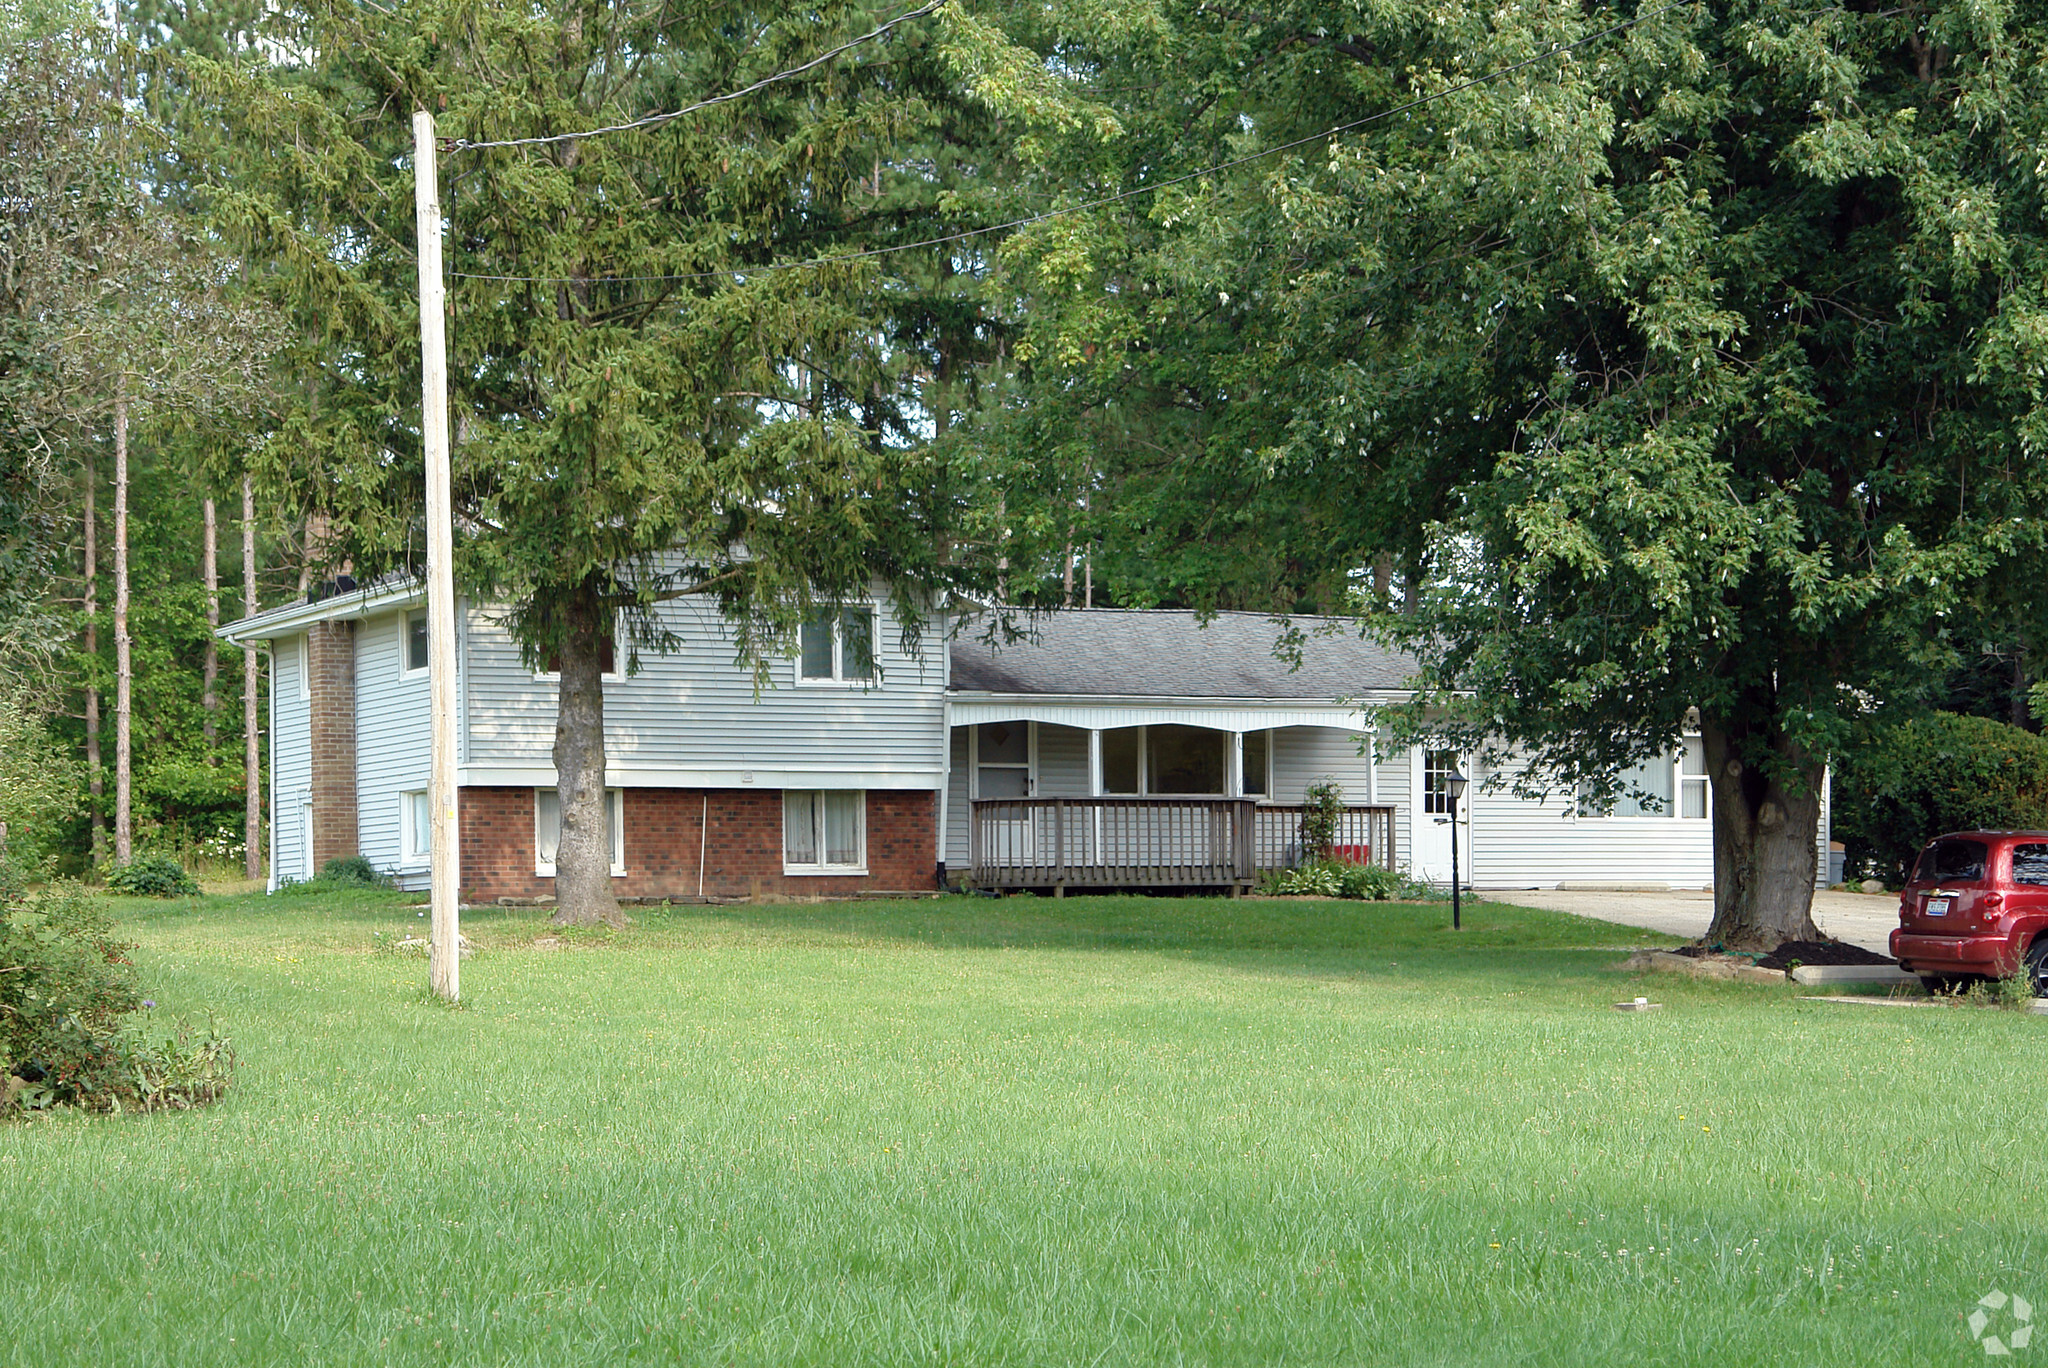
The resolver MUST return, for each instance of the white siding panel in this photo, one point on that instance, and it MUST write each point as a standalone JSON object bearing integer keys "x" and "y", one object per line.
{"x": 1302, "y": 755}
{"x": 291, "y": 760}
{"x": 957, "y": 810}
{"x": 1062, "y": 762}
{"x": 695, "y": 709}
{"x": 394, "y": 740}
{"x": 1540, "y": 843}
{"x": 1391, "y": 785}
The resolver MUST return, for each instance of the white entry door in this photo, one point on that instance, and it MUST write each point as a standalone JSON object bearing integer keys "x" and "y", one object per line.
{"x": 1431, "y": 768}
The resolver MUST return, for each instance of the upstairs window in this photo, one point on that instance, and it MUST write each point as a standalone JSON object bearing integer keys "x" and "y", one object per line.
{"x": 837, "y": 646}
{"x": 416, "y": 642}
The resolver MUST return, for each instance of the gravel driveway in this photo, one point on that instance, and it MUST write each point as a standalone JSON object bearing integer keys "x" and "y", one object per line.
{"x": 1864, "y": 919}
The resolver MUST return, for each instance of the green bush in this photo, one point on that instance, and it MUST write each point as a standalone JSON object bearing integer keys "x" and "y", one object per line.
{"x": 67, "y": 986}
{"x": 1322, "y": 809}
{"x": 340, "y": 873}
{"x": 67, "y": 995}
{"x": 1343, "y": 879}
{"x": 1944, "y": 772}
{"x": 352, "y": 871}
{"x": 151, "y": 876}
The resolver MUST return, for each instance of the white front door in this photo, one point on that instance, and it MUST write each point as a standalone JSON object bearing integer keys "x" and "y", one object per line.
{"x": 1430, "y": 770}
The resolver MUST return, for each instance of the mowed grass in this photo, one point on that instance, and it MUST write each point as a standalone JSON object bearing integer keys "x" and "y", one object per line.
{"x": 1099, "y": 1131}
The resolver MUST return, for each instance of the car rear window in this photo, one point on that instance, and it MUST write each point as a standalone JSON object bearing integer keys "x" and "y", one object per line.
{"x": 2030, "y": 864}
{"x": 1953, "y": 861}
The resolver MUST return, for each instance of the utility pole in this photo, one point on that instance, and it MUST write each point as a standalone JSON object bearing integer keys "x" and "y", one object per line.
{"x": 444, "y": 971}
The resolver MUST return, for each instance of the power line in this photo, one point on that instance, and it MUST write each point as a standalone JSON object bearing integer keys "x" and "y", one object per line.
{"x": 654, "y": 120}
{"x": 1028, "y": 220}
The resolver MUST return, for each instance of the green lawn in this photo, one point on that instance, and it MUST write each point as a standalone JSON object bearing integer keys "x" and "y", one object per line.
{"x": 1098, "y": 1131}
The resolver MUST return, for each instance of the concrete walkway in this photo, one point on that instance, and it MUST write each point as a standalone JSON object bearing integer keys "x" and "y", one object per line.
{"x": 1864, "y": 919}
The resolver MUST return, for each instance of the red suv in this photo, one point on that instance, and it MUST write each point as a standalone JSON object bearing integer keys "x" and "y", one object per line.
{"x": 1976, "y": 907}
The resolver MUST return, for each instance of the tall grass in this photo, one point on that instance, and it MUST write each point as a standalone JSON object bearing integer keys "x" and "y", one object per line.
{"x": 1021, "y": 1131}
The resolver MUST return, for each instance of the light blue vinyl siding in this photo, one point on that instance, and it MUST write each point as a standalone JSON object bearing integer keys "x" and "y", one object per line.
{"x": 394, "y": 742}
{"x": 957, "y": 811}
{"x": 291, "y": 760}
{"x": 694, "y": 712}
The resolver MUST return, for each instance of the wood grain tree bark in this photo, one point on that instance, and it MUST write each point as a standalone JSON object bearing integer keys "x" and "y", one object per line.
{"x": 252, "y": 753}
{"x": 95, "y": 781}
{"x": 583, "y": 856}
{"x": 1766, "y": 829}
{"x": 124, "y": 666}
{"x": 209, "y": 695}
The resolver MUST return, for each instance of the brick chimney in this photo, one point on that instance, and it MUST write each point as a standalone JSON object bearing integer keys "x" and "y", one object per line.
{"x": 331, "y": 679}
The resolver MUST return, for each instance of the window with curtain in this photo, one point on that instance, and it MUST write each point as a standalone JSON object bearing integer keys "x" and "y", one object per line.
{"x": 1643, "y": 790}
{"x": 824, "y": 831}
{"x": 415, "y": 828}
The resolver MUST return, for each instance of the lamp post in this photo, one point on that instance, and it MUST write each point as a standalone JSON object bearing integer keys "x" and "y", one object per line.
{"x": 1454, "y": 788}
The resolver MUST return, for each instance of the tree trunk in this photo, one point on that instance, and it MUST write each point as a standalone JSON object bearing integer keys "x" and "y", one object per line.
{"x": 124, "y": 815}
{"x": 252, "y": 755}
{"x": 1765, "y": 831}
{"x": 583, "y": 857}
{"x": 209, "y": 696}
{"x": 95, "y": 779}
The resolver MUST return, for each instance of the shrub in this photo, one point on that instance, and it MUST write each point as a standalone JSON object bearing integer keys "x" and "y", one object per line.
{"x": 151, "y": 876}
{"x": 1945, "y": 772}
{"x": 1322, "y": 809}
{"x": 1343, "y": 879}
{"x": 67, "y": 991}
{"x": 352, "y": 871}
{"x": 67, "y": 985}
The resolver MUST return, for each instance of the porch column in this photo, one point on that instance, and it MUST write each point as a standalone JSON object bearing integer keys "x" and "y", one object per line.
{"x": 1094, "y": 762}
{"x": 1233, "y": 784}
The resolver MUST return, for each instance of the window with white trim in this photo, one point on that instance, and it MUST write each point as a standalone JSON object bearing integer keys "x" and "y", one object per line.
{"x": 414, "y": 660}
{"x": 1667, "y": 786}
{"x": 1166, "y": 758}
{"x": 837, "y": 647}
{"x": 824, "y": 831}
{"x": 1258, "y": 764}
{"x": 415, "y": 827}
{"x": 547, "y": 830}
{"x": 607, "y": 659}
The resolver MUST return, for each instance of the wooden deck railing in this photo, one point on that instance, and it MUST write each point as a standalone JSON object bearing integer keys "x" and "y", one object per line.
{"x": 1060, "y": 843}
{"x": 1365, "y": 835}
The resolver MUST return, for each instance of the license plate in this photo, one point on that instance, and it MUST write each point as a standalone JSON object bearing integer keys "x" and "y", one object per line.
{"x": 1937, "y": 907}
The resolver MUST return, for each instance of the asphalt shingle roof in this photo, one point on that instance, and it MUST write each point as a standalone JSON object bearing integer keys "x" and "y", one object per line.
{"x": 1168, "y": 653}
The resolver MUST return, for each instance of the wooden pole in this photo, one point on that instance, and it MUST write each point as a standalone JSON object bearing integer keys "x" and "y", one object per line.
{"x": 444, "y": 962}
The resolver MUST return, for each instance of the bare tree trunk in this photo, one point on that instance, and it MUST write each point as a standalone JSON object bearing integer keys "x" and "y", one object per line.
{"x": 1765, "y": 856}
{"x": 96, "y": 783}
{"x": 583, "y": 857}
{"x": 209, "y": 697}
{"x": 124, "y": 670}
{"x": 1067, "y": 577}
{"x": 252, "y": 754}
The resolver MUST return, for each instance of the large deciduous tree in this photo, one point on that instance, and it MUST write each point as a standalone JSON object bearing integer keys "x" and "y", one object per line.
{"x": 672, "y": 368}
{"x": 1693, "y": 376}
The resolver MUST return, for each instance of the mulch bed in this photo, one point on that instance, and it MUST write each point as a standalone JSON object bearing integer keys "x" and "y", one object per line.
{"x": 1829, "y": 952}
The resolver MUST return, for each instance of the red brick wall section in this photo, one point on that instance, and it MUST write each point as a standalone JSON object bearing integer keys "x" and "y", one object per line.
{"x": 331, "y": 684}
{"x": 741, "y": 839}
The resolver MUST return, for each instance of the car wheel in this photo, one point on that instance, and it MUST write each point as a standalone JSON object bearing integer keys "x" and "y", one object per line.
{"x": 2035, "y": 962}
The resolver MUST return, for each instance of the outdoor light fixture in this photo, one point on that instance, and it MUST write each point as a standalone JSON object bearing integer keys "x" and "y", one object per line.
{"x": 1454, "y": 788}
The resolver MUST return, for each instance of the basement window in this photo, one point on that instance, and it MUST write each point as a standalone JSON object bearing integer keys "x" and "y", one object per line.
{"x": 547, "y": 830}
{"x": 824, "y": 831}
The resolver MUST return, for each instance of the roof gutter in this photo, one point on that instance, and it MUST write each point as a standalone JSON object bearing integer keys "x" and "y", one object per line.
{"x": 293, "y": 618}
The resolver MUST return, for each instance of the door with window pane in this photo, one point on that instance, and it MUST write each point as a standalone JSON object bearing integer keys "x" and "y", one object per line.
{"x": 1002, "y": 769}
{"x": 1431, "y": 837}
